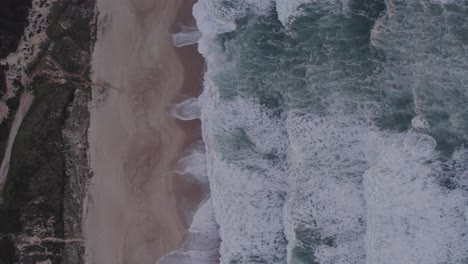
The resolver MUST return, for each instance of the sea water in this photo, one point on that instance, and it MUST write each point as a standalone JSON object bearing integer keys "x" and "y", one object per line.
{"x": 335, "y": 130}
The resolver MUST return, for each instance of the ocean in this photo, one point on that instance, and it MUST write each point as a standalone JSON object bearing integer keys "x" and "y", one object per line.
{"x": 335, "y": 132}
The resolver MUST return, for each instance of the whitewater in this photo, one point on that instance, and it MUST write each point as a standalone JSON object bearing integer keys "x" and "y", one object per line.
{"x": 335, "y": 131}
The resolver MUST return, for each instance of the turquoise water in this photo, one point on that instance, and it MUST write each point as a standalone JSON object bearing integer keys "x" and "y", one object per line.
{"x": 336, "y": 131}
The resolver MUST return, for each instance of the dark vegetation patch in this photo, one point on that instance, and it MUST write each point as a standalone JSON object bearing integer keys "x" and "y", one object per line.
{"x": 33, "y": 195}
{"x": 13, "y": 21}
{"x": 7, "y": 250}
{"x": 3, "y": 88}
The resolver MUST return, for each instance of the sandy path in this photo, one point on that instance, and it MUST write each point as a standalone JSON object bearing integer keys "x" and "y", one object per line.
{"x": 133, "y": 215}
{"x": 26, "y": 100}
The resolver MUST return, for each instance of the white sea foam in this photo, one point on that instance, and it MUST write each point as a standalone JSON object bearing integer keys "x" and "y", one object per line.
{"x": 246, "y": 188}
{"x": 419, "y": 123}
{"x": 288, "y": 10}
{"x": 194, "y": 163}
{"x": 202, "y": 243}
{"x": 325, "y": 193}
{"x": 410, "y": 218}
{"x": 215, "y": 17}
{"x": 211, "y": 20}
{"x": 188, "y": 36}
{"x": 371, "y": 195}
{"x": 400, "y": 215}
{"x": 186, "y": 110}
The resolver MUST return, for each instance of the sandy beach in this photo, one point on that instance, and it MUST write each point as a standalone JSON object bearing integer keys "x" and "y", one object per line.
{"x": 138, "y": 207}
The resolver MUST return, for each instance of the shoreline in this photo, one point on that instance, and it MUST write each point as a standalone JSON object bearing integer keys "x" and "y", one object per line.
{"x": 193, "y": 63}
{"x": 139, "y": 210}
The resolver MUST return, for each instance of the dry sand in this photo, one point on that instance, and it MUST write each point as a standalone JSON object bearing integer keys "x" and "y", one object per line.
{"x": 134, "y": 214}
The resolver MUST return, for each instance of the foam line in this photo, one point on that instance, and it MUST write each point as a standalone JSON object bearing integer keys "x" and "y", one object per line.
{"x": 186, "y": 110}
{"x": 194, "y": 163}
{"x": 202, "y": 243}
{"x": 188, "y": 36}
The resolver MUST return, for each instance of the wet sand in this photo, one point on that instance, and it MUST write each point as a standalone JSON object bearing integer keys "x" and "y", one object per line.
{"x": 138, "y": 208}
